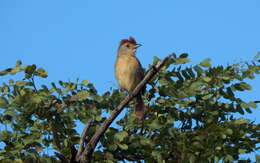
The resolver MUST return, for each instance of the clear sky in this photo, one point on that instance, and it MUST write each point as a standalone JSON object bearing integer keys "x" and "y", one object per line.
{"x": 79, "y": 38}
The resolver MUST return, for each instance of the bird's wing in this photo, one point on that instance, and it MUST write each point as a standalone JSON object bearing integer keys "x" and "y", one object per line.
{"x": 141, "y": 74}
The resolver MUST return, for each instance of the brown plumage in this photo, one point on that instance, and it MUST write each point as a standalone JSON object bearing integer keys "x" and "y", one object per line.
{"x": 129, "y": 72}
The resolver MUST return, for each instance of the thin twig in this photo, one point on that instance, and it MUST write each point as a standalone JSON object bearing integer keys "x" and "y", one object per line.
{"x": 83, "y": 138}
{"x": 87, "y": 153}
{"x": 34, "y": 86}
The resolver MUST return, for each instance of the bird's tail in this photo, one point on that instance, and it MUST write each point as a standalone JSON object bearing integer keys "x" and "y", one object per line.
{"x": 139, "y": 107}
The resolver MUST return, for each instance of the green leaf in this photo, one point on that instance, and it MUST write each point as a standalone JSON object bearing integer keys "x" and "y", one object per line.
{"x": 23, "y": 83}
{"x": 181, "y": 61}
{"x": 42, "y": 73}
{"x": 196, "y": 85}
{"x": 83, "y": 94}
{"x": 157, "y": 156}
{"x": 155, "y": 124}
{"x": 216, "y": 159}
{"x": 206, "y": 78}
{"x": 2, "y": 73}
{"x": 30, "y": 69}
{"x": 229, "y": 158}
{"x": 245, "y": 86}
{"x": 206, "y": 97}
{"x": 123, "y": 146}
{"x": 206, "y": 63}
{"x": 192, "y": 158}
{"x": 18, "y": 63}
{"x": 184, "y": 55}
{"x": 146, "y": 142}
{"x": 241, "y": 151}
{"x": 109, "y": 161}
{"x": 15, "y": 70}
{"x": 98, "y": 118}
{"x": 109, "y": 156}
{"x": 248, "y": 110}
{"x": 3, "y": 103}
{"x": 241, "y": 121}
{"x": 10, "y": 112}
{"x": 121, "y": 135}
{"x": 223, "y": 136}
{"x": 252, "y": 104}
{"x": 84, "y": 82}
{"x": 11, "y": 82}
{"x": 244, "y": 105}
{"x": 229, "y": 131}
{"x": 155, "y": 60}
{"x": 214, "y": 113}
{"x": 242, "y": 86}
{"x": 112, "y": 147}
{"x": 37, "y": 99}
{"x": 257, "y": 157}
{"x": 199, "y": 70}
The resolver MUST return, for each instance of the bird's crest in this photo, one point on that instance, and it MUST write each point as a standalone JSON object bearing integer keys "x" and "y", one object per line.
{"x": 130, "y": 40}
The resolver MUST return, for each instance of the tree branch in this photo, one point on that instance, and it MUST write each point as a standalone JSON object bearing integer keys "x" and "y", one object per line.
{"x": 87, "y": 153}
{"x": 83, "y": 138}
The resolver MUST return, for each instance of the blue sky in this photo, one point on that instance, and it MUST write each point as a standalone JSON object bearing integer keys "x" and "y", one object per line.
{"x": 79, "y": 38}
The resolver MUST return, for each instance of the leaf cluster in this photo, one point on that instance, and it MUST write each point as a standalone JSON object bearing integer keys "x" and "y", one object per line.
{"x": 191, "y": 115}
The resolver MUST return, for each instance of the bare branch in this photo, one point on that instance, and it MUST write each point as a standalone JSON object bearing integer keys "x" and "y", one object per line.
{"x": 83, "y": 138}
{"x": 87, "y": 153}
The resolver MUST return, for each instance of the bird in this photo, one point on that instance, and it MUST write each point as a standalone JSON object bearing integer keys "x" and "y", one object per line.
{"x": 129, "y": 72}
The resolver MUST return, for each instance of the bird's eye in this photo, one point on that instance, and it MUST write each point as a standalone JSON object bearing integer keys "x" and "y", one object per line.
{"x": 127, "y": 45}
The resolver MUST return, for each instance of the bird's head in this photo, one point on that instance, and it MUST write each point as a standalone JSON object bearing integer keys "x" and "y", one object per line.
{"x": 128, "y": 46}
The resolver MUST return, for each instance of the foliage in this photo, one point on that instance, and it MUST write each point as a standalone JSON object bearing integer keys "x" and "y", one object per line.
{"x": 190, "y": 117}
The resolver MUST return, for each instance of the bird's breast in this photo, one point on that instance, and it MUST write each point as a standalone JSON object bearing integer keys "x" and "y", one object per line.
{"x": 126, "y": 70}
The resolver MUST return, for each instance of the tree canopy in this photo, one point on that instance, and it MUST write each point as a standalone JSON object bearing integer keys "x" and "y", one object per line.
{"x": 192, "y": 116}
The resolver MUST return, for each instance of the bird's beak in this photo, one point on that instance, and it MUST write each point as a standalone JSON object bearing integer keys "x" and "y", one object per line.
{"x": 137, "y": 46}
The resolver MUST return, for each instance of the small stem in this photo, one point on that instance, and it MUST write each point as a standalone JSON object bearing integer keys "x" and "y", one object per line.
{"x": 83, "y": 138}
{"x": 34, "y": 86}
